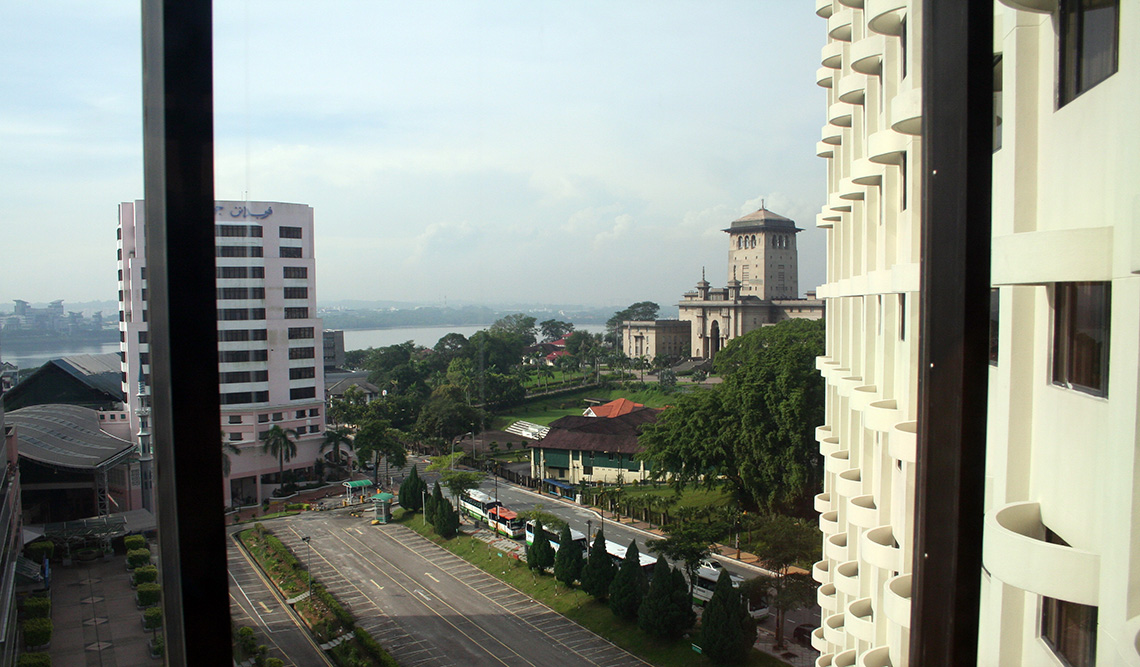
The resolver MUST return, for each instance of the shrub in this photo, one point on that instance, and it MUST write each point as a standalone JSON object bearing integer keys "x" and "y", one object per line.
{"x": 246, "y": 640}
{"x": 158, "y": 646}
{"x": 373, "y": 648}
{"x": 134, "y": 542}
{"x": 146, "y": 574}
{"x": 149, "y": 594}
{"x": 37, "y": 607}
{"x": 38, "y": 551}
{"x": 34, "y": 660}
{"x": 152, "y": 618}
{"x": 37, "y": 631}
{"x": 138, "y": 557}
{"x": 274, "y": 662}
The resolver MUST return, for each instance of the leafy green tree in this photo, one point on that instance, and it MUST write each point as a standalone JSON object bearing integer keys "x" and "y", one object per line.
{"x": 599, "y": 569}
{"x": 457, "y": 482}
{"x": 377, "y": 438}
{"x": 642, "y": 310}
{"x": 517, "y": 324}
{"x": 568, "y": 561}
{"x": 781, "y": 543}
{"x": 754, "y": 431}
{"x": 451, "y": 346}
{"x": 446, "y": 414}
{"x": 688, "y": 543}
{"x": 727, "y": 631}
{"x": 629, "y": 586}
{"x": 555, "y": 329}
{"x": 281, "y": 443}
{"x": 667, "y": 379}
{"x": 412, "y": 490}
{"x": 539, "y": 555}
{"x": 666, "y": 611}
{"x": 349, "y": 408}
{"x": 335, "y": 438}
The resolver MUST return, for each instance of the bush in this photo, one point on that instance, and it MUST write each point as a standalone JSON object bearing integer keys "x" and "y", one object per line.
{"x": 138, "y": 557}
{"x": 296, "y": 507}
{"x": 37, "y": 607}
{"x": 37, "y": 631}
{"x": 146, "y": 574}
{"x": 373, "y": 648}
{"x": 274, "y": 662}
{"x": 152, "y": 618}
{"x": 158, "y": 646}
{"x": 34, "y": 660}
{"x": 38, "y": 551}
{"x": 246, "y": 641}
{"x": 134, "y": 542}
{"x": 149, "y": 594}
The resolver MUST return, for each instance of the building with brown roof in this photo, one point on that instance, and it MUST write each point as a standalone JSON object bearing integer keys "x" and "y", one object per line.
{"x": 591, "y": 450}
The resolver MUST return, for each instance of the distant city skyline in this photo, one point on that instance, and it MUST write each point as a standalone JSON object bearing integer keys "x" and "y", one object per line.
{"x": 521, "y": 153}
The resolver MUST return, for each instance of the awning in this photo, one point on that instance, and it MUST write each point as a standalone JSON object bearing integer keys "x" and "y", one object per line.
{"x": 358, "y": 484}
{"x": 561, "y": 485}
{"x": 383, "y": 497}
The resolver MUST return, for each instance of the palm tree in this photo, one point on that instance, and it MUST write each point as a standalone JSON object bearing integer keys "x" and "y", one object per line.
{"x": 334, "y": 438}
{"x": 227, "y": 449}
{"x": 282, "y": 443}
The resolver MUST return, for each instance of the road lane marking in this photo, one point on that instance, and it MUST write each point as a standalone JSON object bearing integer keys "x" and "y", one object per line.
{"x": 376, "y": 584}
{"x": 267, "y": 609}
{"x": 422, "y": 595}
{"x": 428, "y": 575}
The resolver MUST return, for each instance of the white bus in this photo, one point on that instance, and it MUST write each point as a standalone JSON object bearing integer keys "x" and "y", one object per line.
{"x": 476, "y": 503}
{"x": 705, "y": 584}
{"x": 617, "y": 553}
{"x": 505, "y": 522}
{"x": 552, "y": 537}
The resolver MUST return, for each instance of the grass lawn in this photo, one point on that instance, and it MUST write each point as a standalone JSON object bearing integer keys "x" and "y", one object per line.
{"x": 573, "y": 603}
{"x": 690, "y": 497}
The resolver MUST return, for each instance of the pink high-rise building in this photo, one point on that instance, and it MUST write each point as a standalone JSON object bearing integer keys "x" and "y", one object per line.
{"x": 269, "y": 340}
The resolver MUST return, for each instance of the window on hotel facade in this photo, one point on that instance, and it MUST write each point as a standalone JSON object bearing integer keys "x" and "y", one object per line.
{"x": 1081, "y": 313}
{"x": 301, "y": 353}
{"x": 1068, "y": 628}
{"x": 300, "y": 332}
{"x": 291, "y": 253}
{"x": 302, "y": 392}
{"x": 296, "y": 313}
{"x": 295, "y": 271}
{"x": 1088, "y": 37}
{"x": 302, "y": 373}
{"x": 296, "y": 292}
{"x": 290, "y": 232}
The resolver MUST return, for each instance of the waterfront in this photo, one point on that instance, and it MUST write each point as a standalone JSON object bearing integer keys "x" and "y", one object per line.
{"x": 30, "y": 354}
{"x": 359, "y": 339}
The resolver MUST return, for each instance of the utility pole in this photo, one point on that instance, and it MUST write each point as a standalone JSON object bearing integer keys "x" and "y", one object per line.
{"x": 309, "y": 567}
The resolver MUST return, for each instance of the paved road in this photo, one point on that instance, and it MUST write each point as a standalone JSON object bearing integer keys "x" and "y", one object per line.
{"x": 254, "y": 604}
{"x": 429, "y": 607}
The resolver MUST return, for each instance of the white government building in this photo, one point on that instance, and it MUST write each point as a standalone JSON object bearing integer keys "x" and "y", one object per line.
{"x": 1061, "y": 549}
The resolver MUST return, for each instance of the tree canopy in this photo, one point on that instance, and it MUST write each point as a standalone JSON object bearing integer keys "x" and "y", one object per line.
{"x": 667, "y": 610}
{"x": 568, "y": 561}
{"x": 756, "y": 430}
{"x": 628, "y": 588}
{"x": 517, "y": 324}
{"x": 554, "y": 329}
{"x": 540, "y": 554}
{"x": 642, "y": 310}
{"x": 727, "y": 631}
{"x": 599, "y": 569}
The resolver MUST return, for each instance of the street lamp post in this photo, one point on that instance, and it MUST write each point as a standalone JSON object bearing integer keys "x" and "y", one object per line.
{"x": 309, "y": 550}
{"x": 589, "y": 532}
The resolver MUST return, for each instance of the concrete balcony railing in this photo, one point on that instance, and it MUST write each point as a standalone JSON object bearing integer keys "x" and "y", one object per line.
{"x": 903, "y": 441}
{"x": 823, "y": 8}
{"x": 839, "y": 24}
{"x": 877, "y": 546}
{"x": 819, "y": 643}
{"x": 829, "y": 445}
{"x": 829, "y": 522}
{"x": 906, "y": 112}
{"x": 850, "y": 190}
{"x": 838, "y": 461}
{"x": 849, "y": 483}
{"x": 831, "y": 55}
{"x": 837, "y": 203}
{"x": 865, "y": 172}
{"x": 824, "y": 222}
{"x": 846, "y": 578}
{"x": 822, "y": 362}
{"x": 876, "y": 657}
{"x": 886, "y": 147}
{"x": 821, "y": 571}
{"x": 831, "y": 134}
{"x": 825, "y": 659}
{"x": 835, "y": 547}
{"x": 1014, "y": 551}
{"x": 862, "y": 396}
{"x": 885, "y": 16}
{"x": 824, "y": 77}
{"x": 825, "y": 597}
{"x": 863, "y": 512}
{"x": 832, "y": 217}
{"x": 1039, "y": 6}
{"x": 833, "y": 629}
{"x": 824, "y": 150}
{"x": 896, "y": 600}
{"x": 839, "y": 114}
{"x": 844, "y": 659}
{"x": 846, "y": 385}
{"x": 867, "y": 54}
{"x": 882, "y": 415}
{"x": 822, "y": 432}
{"x": 860, "y": 621}
{"x": 823, "y": 502}
{"x": 852, "y": 88}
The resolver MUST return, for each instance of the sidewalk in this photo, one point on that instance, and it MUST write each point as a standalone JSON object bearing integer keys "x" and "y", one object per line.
{"x": 96, "y": 621}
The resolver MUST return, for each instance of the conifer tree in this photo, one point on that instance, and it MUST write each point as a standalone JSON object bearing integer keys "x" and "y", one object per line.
{"x": 435, "y": 513}
{"x": 727, "y": 631}
{"x": 448, "y": 519}
{"x": 629, "y": 586}
{"x": 539, "y": 555}
{"x": 568, "y": 561}
{"x": 412, "y": 492}
{"x": 667, "y": 610}
{"x": 599, "y": 569}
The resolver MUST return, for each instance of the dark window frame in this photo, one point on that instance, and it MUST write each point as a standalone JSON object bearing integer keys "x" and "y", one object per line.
{"x": 1073, "y": 58}
{"x": 1073, "y": 365}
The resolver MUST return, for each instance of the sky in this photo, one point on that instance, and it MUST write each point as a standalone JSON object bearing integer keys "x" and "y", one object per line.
{"x": 494, "y": 152}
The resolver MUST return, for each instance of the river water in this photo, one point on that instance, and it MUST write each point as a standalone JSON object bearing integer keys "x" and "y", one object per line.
{"x": 33, "y": 353}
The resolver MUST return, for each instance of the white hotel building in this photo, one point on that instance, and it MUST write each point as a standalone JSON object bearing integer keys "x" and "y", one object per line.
{"x": 1061, "y": 551}
{"x": 269, "y": 338}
